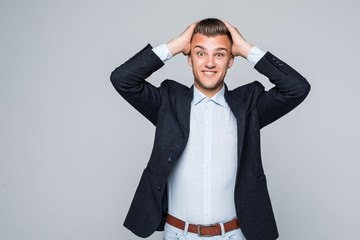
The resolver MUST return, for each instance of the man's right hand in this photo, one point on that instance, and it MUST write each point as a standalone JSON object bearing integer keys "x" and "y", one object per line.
{"x": 181, "y": 44}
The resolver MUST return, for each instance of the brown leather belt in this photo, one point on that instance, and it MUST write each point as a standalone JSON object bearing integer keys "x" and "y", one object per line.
{"x": 203, "y": 230}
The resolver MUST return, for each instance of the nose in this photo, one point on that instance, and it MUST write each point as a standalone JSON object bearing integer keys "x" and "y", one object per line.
{"x": 210, "y": 62}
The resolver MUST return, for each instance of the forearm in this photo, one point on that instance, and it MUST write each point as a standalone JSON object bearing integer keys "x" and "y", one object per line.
{"x": 163, "y": 52}
{"x": 287, "y": 80}
{"x": 176, "y": 46}
{"x": 290, "y": 89}
{"x": 135, "y": 70}
{"x": 129, "y": 81}
{"x": 244, "y": 49}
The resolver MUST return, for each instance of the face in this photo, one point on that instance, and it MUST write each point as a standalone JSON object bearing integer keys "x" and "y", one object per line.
{"x": 210, "y": 58}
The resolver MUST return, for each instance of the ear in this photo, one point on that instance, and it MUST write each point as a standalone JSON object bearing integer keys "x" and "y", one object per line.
{"x": 231, "y": 61}
{"x": 189, "y": 60}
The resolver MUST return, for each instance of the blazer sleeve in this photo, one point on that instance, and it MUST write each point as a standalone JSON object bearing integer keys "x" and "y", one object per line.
{"x": 289, "y": 91}
{"x": 129, "y": 81}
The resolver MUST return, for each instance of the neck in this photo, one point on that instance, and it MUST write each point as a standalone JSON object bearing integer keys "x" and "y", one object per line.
{"x": 209, "y": 92}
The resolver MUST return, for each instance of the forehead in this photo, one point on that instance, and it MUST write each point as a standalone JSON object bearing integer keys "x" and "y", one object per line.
{"x": 211, "y": 43}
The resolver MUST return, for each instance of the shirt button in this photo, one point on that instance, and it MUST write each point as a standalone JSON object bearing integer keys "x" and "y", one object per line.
{"x": 159, "y": 188}
{"x": 170, "y": 160}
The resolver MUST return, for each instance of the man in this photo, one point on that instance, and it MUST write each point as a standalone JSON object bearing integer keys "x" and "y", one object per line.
{"x": 205, "y": 178}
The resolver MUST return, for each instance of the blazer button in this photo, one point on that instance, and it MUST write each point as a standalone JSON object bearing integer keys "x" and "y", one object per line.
{"x": 159, "y": 188}
{"x": 170, "y": 160}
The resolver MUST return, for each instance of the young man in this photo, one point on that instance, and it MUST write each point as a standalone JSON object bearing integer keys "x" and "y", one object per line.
{"x": 205, "y": 178}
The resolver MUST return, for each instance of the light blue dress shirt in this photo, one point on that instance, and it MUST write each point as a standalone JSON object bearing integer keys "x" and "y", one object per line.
{"x": 201, "y": 185}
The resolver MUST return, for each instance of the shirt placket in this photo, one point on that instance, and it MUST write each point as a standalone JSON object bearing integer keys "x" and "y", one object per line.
{"x": 207, "y": 161}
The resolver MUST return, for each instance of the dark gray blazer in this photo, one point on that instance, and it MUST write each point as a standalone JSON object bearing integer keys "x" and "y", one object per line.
{"x": 168, "y": 108}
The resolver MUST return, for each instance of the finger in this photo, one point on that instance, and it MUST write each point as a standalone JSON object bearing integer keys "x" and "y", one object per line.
{"x": 228, "y": 25}
{"x": 193, "y": 25}
{"x": 231, "y": 28}
{"x": 190, "y": 29}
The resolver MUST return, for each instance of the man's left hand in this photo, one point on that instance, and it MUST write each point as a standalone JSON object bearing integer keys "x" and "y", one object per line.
{"x": 240, "y": 46}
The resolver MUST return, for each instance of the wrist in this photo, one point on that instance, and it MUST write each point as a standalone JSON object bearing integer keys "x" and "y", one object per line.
{"x": 245, "y": 49}
{"x": 174, "y": 46}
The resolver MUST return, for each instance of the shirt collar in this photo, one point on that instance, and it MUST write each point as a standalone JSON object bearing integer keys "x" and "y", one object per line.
{"x": 218, "y": 98}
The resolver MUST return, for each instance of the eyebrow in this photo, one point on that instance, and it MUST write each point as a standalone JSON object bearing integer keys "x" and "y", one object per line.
{"x": 217, "y": 49}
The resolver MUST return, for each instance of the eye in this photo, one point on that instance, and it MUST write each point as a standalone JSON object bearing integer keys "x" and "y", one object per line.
{"x": 201, "y": 54}
{"x": 219, "y": 55}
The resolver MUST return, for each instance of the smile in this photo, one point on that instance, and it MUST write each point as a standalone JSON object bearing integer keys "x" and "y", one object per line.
{"x": 208, "y": 73}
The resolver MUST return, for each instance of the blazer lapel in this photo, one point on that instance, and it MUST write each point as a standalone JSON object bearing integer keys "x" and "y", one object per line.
{"x": 183, "y": 107}
{"x": 237, "y": 107}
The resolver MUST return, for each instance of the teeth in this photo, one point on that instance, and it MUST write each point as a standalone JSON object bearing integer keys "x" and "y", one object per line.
{"x": 209, "y": 73}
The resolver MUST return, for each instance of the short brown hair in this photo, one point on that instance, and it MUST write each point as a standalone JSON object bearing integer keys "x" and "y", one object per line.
{"x": 211, "y": 27}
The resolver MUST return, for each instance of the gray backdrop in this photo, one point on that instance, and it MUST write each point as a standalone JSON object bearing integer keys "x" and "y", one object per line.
{"x": 68, "y": 162}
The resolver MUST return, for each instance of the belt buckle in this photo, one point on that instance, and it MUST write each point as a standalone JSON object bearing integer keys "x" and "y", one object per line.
{"x": 199, "y": 229}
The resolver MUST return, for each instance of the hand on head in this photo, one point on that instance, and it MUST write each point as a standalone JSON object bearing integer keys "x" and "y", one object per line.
{"x": 240, "y": 46}
{"x": 181, "y": 44}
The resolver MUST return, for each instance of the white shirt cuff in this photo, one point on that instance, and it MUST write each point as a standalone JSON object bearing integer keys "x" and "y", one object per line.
{"x": 255, "y": 55}
{"x": 162, "y": 52}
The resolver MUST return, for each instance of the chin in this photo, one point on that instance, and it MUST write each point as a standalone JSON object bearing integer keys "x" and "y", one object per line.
{"x": 211, "y": 87}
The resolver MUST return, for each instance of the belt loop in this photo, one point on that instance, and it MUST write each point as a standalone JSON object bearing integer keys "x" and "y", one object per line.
{"x": 222, "y": 230}
{"x": 186, "y": 228}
